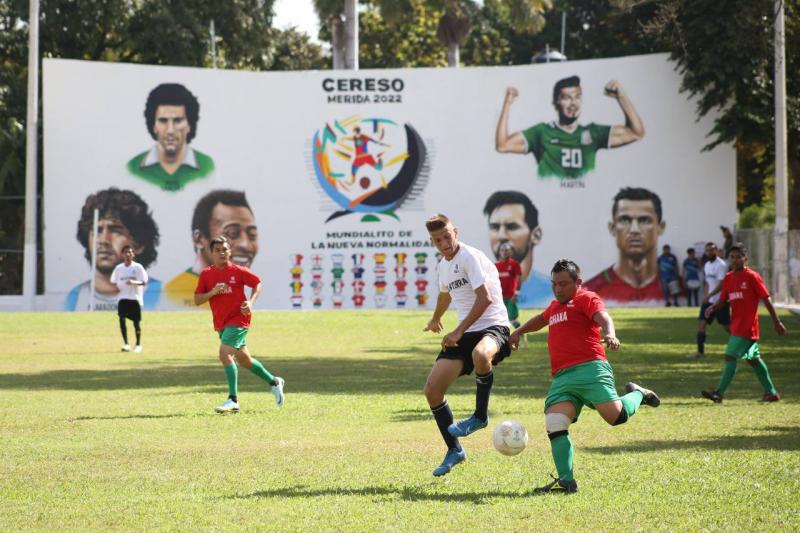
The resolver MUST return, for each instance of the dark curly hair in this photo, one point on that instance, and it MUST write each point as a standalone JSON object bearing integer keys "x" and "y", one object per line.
{"x": 172, "y": 94}
{"x": 128, "y": 208}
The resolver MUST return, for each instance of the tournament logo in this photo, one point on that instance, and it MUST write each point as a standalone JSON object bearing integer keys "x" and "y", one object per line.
{"x": 370, "y": 166}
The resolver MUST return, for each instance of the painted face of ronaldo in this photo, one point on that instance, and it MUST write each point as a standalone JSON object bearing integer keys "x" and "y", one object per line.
{"x": 445, "y": 240}
{"x": 171, "y": 129}
{"x": 636, "y": 228}
{"x": 507, "y": 224}
{"x": 569, "y": 103}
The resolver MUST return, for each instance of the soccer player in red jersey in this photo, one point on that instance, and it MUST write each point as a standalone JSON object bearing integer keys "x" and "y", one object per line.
{"x": 742, "y": 288}
{"x": 222, "y": 285}
{"x": 581, "y": 372}
{"x": 510, "y": 276}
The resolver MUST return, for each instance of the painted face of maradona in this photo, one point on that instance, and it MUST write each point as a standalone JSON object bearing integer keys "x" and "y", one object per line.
{"x": 171, "y": 129}
{"x": 112, "y": 236}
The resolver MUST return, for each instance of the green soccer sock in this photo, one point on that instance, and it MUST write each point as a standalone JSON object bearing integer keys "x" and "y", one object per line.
{"x": 727, "y": 376}
{"x": 764, "y": 378}
{"x": 561, "y": 447}
{"x": 259, "y": 370}
{"x": 232, "y": 375}
{"x": 631, "y": 402}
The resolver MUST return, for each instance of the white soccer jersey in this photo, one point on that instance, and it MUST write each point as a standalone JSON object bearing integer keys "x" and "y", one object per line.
{"x": 120, "y": 278}
{"x": 715, "y": 271}
{"x": 468, "y": 270}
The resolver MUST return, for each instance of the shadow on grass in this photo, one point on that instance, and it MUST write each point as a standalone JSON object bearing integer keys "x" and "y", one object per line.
{"x": 403, "y": 493}
{"x": 788, "y": 439}
{"x": 127, "y": 417}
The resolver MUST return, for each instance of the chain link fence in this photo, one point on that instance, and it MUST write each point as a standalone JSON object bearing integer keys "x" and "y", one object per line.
{"x": 759, "y": 244}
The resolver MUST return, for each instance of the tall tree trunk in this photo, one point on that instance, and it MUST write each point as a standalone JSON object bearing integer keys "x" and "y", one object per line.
{"x": 351, "y": 34}
{"x": 337, "y": 42}
{"x": 452, "y": 54}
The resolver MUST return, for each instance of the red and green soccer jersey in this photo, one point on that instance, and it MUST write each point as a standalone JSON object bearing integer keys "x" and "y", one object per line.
{"x": 743, "y": 290}
{"x": 573, "y": 336}
{"x": 509, "y": 271}
{"x": 226, "y": 307}
{"x": 564, "y": 154}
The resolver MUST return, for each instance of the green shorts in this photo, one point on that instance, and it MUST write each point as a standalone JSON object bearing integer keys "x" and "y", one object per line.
{"x": 742, "y": 348}
{"x": 233, "y": 337}
{"x": 586, "y": 384}
{"x": 511, "y": 308}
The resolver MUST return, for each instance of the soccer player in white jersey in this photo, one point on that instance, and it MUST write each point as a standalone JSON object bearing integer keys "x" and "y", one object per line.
{"x": 469, "y": 279}
{"x": 130, "y": 278}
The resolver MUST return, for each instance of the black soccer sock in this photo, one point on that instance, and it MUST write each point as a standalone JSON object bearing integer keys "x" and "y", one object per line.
{"x": 482, "y": 392}
{"x": 123, "y": 329}
{"x": 444, "y": 417}
{"x": 701, "y": 341}
{"x": 138, "y": 330}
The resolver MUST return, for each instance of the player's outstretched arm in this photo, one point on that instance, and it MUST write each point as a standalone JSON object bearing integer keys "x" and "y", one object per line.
{"x": 534, "y": 324}
{"x": 780, "y": 329}
{"x": 610, "y": 337}
{"x": 442, "y": 304}
{"x": 633, "y": 130}
{"x": 503, "y": 142}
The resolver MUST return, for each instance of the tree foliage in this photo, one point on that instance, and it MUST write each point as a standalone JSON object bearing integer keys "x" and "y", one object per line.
{"x": 725, "y": 54}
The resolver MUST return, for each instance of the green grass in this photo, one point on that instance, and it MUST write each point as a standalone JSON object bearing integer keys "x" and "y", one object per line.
{"x": 91, "y": 438}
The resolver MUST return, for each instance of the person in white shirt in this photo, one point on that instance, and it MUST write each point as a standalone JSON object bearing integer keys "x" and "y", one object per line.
{"x": 714, "y": 270}
{"x": 470, "y": 280}
{"x": 130, "y": 278}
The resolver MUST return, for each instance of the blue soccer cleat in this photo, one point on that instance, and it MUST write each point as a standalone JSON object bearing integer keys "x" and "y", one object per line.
{"x": 451, "y": 459}
{"x": 465, "y": 427}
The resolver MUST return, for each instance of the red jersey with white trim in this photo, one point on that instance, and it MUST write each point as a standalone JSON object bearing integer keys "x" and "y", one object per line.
{"x": 573, "y": 336}
{"x": 226, "y": 307}
{"x": 743, "y": 290}
{"x": 613, "y": 289}
{"x": 509, "y": 271}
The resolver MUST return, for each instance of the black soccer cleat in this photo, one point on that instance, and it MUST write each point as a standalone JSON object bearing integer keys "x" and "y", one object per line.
{"x": 558, "y": 486}
{"x": 712, "y": 395}
{"x": 650, "y": 397}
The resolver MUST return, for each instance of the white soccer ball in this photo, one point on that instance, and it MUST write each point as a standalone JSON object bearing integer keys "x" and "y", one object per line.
{"x": 510, "y": 437}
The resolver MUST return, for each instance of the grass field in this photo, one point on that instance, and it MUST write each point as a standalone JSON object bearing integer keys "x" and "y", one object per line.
{"x": 91, "y": 438}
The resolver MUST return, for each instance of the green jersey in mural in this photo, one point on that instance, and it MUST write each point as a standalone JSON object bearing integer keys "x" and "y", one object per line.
{"x": 564, "y": 154}
{"x": 195, "y": 165}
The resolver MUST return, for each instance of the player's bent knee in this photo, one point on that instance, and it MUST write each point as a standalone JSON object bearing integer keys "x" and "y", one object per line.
{"x": 622, "y": 418}
{"x": 557, "y": 424}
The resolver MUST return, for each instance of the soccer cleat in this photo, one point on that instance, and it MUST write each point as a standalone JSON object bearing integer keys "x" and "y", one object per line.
{"x": 465, "y": 427}
{"x": 650, "y": 397}
{"x": 137, "y": 348}
{"x": 712, "y": 395}
{"x": 228, "y": 407}
{"x": 771, "y": 397}
{"x": 558, "y": 486}
{"x": 696, "y": 355}
{"x": 126, "y": 347}
{"x": 277, "y": 391}
{"x": 451, "y": 459}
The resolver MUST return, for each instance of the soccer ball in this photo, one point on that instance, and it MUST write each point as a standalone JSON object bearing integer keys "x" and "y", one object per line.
{"x": 510, "y": 437}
